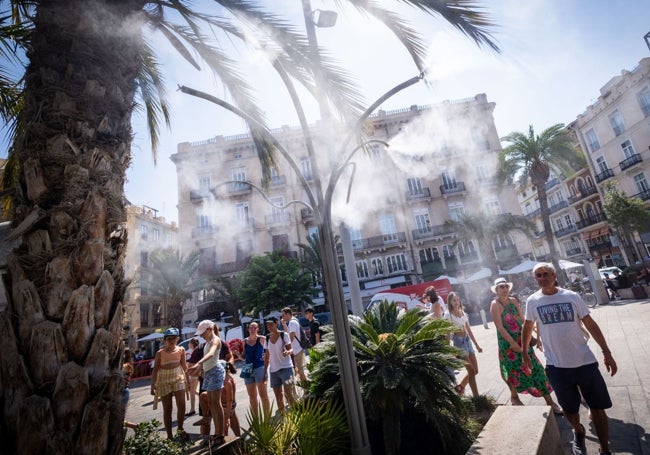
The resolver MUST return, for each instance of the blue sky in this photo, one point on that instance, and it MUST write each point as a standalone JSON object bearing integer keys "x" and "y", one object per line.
{"x": 555, "y": 56}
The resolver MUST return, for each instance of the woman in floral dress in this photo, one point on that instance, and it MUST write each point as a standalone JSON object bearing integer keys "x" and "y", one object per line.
{"x": 508, "y": 319}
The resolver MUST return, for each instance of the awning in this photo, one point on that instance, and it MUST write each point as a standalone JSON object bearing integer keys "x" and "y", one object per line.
{"x": 595, "y": 233}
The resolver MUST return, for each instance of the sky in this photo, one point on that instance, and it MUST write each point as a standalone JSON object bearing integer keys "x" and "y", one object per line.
{"x": 555, "y": 56}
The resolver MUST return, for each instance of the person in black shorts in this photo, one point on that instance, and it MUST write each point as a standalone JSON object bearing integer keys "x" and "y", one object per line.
{"x": 571, "y": 366}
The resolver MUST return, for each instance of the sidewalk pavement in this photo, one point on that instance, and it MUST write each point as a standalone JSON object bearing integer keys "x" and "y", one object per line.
{"x": 626, "y": 327}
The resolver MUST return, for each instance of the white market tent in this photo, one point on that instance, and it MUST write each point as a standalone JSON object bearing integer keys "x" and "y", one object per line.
{"x": 151, "y": 336}
{"x": 485, "y": 272}
{"x": 451, "y": 279}
{"x": 564, "y": 264}
{"x": 525, "y": 266}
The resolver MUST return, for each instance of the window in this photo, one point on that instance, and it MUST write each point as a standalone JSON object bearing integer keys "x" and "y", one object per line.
{"x": 448, "y": 252}
{"x": 414, "y": 185}
{"x": 641, "y": 183}
{"x": 144, "y": 230}
{"x": 422, "y": 221}
{"x": 357, "y": 240}
{"x": 429, "y": 255}
{"x": 377, "y": 266}
{"x": 628, "y": 149}
{"x": 482, "y": 173}
{"x": 501, "y": 242}
{"x": 387, "y": 227}
{"x": 644, "y": 101}
{"x": 144, "y": 259}
{"x": 449, "y": 180}
{"x": 242, "y": 213}
{"x": 305, "y": 168}
{"x": 568, "y": 221}
{"x": 280, "y": 243}
{"x": 156, "y": 234}
{"x": 277, "y": 208}
{"x": 204, "y": 221}
{"x": 276, "y": 179}
{"x": 239, "y": 176}
{"x": 362, "y": 269}
{"x": 602, "y": 164}
{"x": 559, "y": 224}
{"x": 616, "y": 121}
{"x": 592, "y": 140}
{"x": 466, "y": 248}
{"x": 492, "y": 207}
{"x": 204, "y": 183}
{"x": 169, "y": 240}
{"x": 456, "y": 211}
{"x": 396, "y": 263}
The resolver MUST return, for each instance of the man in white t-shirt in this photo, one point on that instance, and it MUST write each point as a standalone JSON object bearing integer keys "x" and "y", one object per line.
{"x": 292, "y": 327}
{"x": 571, "y": 366}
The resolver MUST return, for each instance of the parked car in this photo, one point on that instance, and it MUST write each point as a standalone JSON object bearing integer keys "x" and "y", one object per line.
{"x": 609, "y": 271}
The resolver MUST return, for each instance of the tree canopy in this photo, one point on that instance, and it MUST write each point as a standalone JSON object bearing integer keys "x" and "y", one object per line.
{"x": 271, "y": 282}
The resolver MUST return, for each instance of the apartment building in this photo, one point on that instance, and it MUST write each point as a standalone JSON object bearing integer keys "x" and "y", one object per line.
{"x": 614, "y": 132}
{"x": 440, "y": 164}
{"x": 147, "y": 232}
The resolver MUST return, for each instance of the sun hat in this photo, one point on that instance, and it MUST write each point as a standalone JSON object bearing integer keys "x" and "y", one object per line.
{"x": 203, "y": 326}
{"x": 499, "y": 281}
{"x": 272, "y": 319}
{"x": 171, "y": 332}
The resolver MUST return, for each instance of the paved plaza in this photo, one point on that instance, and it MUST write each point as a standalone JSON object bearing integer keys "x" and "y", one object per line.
{"x": 626, "y": 326}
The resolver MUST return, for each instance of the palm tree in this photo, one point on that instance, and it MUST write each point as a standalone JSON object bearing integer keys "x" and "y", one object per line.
{"x": 485, "y": 228}
{"x": 168, "y": 280}
{"x": 403, "y": 359}
{"x": 531, "y": 158}
{"x": 312, "y": 261}
{"x": 88, "y": 63}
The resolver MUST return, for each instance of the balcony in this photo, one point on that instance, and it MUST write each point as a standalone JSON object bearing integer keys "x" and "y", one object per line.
{"x": 560, "y": 205}
{"x": 457, "y": 187}
{"x": 307, "y": 214}
{"x": 199, "y": 195}
{"x": 551, "y": 183}
{"x": 237, "y": 188}
{"x": 597, "y": 218}
{"x": 574, "y": 251}
{"x": 606, "y": 174}
{"x": 631, "y": 161}
{"x": 584, "y": 192}
{"x": 203, "y": 231}
{"x": 539, "y": 234}
{"x": 601, "y": 245}
{"x": 380, "y": 241}
{"x": 277, "y": 218}
{"x": 422, "y": 193}
{"x": 643, "y": 195}
{"x": 565, "y": 231}
{"x": 431, "y": 232}
{"x": 533, "y": 214}
{"x": 278, "y": 180}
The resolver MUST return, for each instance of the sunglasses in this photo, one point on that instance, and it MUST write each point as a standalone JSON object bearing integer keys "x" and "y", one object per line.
{"x": 503, "y": 286}
{"x": 543, "y": 274}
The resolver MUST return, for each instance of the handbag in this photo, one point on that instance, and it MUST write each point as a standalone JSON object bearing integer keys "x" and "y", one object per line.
{"x": 533, "y": 341}
{"x": 246, "y": 371}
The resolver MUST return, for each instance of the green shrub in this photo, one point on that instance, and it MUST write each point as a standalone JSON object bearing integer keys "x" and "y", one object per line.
{"x": 147, "y": 440}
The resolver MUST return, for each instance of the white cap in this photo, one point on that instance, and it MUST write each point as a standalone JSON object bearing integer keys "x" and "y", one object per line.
{"x": 203, "y": 326}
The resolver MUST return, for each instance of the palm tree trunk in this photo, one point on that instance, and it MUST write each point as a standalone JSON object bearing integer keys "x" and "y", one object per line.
{"x": 62, "y": 329}
{"x": 548, "y": 229}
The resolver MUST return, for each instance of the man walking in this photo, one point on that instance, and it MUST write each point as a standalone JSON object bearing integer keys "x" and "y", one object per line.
{"x": 571, "y": 366}
{"x": 314, "y": 326}
{"x": 292, "y": 326}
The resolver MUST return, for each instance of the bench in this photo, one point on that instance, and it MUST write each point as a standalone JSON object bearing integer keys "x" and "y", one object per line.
{"x": 517, "y": 430}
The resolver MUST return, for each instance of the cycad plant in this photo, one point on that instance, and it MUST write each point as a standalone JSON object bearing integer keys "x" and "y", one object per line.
{"x": 405, "y": 366}
{"x": 311, "y": 427}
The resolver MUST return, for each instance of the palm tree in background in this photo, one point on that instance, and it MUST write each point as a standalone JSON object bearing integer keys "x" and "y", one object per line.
{"x": 312, "y": 261}
{"x": 485, "y": 228}
{"x": 531, "y": 158}
{"x": 89, "y": 62}
{"x": 169, "y": 280}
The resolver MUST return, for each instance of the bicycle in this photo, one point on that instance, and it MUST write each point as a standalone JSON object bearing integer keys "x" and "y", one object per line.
{"x": 585, "y": 292}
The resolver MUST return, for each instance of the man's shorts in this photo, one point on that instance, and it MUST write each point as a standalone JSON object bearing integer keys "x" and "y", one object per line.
{"x": 281, "y": 377}
{"x": 299, "y": 363}
{"x": 570, "y": 383}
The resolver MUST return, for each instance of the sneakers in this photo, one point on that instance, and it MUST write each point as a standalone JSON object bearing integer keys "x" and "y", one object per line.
{"x": 578, "y": 445}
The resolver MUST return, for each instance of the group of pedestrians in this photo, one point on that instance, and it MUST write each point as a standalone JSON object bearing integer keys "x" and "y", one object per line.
{"x": 562, "y": 325}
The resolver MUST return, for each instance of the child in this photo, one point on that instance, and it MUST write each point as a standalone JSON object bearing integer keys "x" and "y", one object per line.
{"x": 169, "y": 379}
{"x": 228, "y": 395}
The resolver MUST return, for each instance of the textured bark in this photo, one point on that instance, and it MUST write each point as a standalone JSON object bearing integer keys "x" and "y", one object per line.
{"x": 62, "y": 330}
